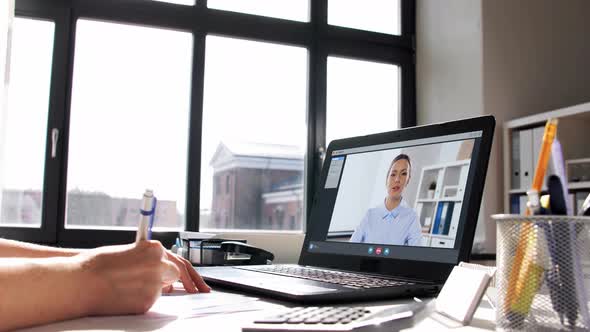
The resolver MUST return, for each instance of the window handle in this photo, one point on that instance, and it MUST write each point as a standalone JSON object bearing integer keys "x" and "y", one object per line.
{"x": 54, "y": 139}
{"x": 321, "y": 155}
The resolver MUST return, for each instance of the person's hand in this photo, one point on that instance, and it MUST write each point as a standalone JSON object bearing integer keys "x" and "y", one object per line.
{"x": 125, "y": 279}
{"x": 191, "y": 280}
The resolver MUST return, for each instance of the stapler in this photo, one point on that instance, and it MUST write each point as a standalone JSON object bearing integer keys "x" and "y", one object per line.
{"x": 244, "y": 254}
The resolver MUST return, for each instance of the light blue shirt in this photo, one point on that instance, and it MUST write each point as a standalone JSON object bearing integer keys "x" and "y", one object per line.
{"x": 399, "y": 226}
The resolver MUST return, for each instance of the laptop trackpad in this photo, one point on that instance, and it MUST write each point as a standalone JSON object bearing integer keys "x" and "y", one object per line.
{"x": 277, "y": 283}
{"x": 296, "y": 287}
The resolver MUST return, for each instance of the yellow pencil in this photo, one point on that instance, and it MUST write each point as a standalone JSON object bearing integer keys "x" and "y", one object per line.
{"x": 544, "y": 154}
{"x": 526, "y": 274}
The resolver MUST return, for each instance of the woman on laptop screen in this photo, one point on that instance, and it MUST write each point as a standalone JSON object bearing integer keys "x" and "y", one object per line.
{"x": 393, "y": 221}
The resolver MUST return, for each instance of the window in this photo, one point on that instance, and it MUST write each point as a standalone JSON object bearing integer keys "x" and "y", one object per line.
{"x": 129, "y": 116}
{"x": 375, "y": 15}
{"x": 297, "y": 10}
{"x": 180, "y": 2}
{"x": 222, "y": 107}
{"x": 22, "y": 142}
{"x": 362, "y": 98}
{"x": 254, "y": 126}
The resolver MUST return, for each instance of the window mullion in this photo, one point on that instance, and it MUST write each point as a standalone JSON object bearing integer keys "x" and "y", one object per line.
{"x": 195, "y": 132}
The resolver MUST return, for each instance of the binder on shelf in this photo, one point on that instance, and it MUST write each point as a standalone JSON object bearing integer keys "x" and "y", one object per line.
{"x": 447, "y": 224}
{"x": 515, "y": 174}
{"x": 523, "y": 199}
{"x": 455, "y": 219}
{"x": 526, "y": 158}
{"x": 580, "y": 198}
{"x": 571, "y": 197}
{"x": 436, "y": 225}
{"x": 443, "y": 218}
{"x": 514, "y": 204}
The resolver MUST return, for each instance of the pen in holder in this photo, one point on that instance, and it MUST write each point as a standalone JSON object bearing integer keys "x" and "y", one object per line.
{"x": 558, "y": 247}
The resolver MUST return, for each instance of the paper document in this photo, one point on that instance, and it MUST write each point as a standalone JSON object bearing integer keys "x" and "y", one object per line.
{"x": 168, "y": 313}
{"x": 182, "y": 305}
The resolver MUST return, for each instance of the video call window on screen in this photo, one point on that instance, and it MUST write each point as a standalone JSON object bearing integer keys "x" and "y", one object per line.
{"x": 409, "y": 196}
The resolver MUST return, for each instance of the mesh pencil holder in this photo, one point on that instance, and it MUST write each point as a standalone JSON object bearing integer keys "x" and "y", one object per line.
{"x": 543, "y": 272}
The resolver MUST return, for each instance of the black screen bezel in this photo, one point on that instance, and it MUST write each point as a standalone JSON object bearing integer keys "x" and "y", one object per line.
{"x": 422, "y": 270}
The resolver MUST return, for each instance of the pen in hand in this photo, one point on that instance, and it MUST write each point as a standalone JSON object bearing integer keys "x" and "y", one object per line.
{"x": 146, "y": 213}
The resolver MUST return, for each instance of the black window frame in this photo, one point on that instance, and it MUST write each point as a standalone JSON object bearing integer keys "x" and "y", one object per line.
{"x": 320, "y": 39}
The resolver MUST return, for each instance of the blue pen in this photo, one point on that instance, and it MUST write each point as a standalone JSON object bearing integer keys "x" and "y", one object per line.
{"x": 562, "y": 286}
{"x": 146, "y": 216}
{"x": 152, "y": 217}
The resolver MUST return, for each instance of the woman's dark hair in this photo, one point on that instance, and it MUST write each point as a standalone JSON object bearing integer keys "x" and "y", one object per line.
{"x": 399, "y": 157}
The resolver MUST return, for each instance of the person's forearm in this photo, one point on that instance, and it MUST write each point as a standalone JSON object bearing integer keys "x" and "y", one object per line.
{"x": 39, "y": 291}
{"x": 9, "y": 248}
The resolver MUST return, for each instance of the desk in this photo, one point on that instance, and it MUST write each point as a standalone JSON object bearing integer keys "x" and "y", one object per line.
{"x": 223, "y": 310}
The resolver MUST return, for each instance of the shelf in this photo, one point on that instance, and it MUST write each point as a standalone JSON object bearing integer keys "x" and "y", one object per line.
{"x": 579, "y": 112}
{"x": 572, "y": 129}
{"x": 450, "y": 199}
{"x": 442, "y": 237}
{"x": 579, "y": 185}
{"x": 445, "y": 237}
{"x": 427, "y": 200}
{"x": 434, "y": 200}
{"x": 450, "y": 179}
{"x": 571, "y": 186}
{"x": 517, "y": 191}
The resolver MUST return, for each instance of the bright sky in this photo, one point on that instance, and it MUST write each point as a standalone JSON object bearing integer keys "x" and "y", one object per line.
{"x": 257, "y": 94}
{"x": 360, "y": 97}
{"x": 131, "y": 98}
{"x": 26, "y": 122}
{"x": 130, "y": 110}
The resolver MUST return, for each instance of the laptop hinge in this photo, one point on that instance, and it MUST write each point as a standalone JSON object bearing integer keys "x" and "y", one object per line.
{"x": 406, "y": 279}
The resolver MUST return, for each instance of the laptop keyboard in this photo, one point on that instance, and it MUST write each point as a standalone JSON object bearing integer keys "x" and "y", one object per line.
{"x": 347, "y": 279}
{"x": 317, "y": 315}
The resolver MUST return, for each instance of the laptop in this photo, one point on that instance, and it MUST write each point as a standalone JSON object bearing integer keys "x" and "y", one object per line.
{"x": 394, "y": 212}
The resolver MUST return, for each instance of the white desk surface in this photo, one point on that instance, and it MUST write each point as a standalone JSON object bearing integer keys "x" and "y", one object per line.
{"x": 222, "y": 310}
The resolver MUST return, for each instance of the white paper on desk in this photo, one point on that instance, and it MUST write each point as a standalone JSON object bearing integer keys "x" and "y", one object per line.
{"x": 194, "y": 305}
{"x": 169, "y": 310}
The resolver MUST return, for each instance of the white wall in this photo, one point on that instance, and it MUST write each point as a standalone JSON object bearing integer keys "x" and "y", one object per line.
{"x": 449, "y": 60}
{"x": 501, "y": 57}
{"x": 536, "y": 55}
{"x": 449, "y": 65}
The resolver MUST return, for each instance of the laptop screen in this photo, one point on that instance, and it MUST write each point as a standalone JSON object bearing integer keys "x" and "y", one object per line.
{"x": 406, "y": 199}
